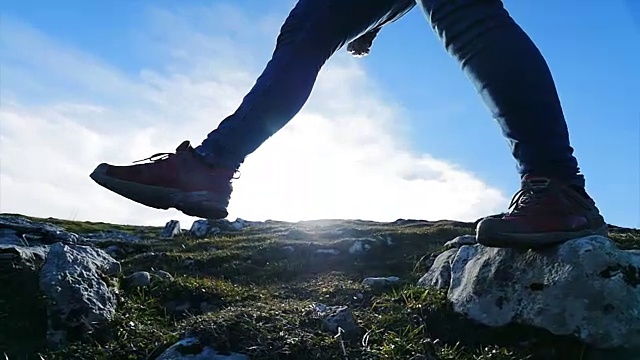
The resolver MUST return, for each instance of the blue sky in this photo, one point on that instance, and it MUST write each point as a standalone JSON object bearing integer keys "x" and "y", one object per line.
{"x": 593, "y": 52}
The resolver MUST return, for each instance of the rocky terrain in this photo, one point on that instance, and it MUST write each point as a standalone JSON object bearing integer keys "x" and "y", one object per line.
{"x": 331, "y": 289}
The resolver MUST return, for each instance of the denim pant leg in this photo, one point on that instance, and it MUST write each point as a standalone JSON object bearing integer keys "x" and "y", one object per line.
{"x": 313, "y": 31}
{"x": 513, "y": 79}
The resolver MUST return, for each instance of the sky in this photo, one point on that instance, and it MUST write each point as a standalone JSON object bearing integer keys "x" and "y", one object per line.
{"x": 400, "y": 133}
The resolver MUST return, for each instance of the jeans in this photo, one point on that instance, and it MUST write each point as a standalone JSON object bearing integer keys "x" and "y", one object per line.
{"x": 502, "y": 62}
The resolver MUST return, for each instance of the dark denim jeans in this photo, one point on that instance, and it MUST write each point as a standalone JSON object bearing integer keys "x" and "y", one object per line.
{"x": 496, "y": 54}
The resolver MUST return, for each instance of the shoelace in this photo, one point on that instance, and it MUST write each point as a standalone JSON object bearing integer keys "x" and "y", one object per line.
{"x": 164, "y": 156}
{"x": 155, "y": 157}
{"x": 529, "y": 195}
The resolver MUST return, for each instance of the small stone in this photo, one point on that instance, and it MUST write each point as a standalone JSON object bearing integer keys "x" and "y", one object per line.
{"x": 328, "y": 251}
{"x": 335, "y": 317}
{"x": 112, "y": 235}
{"x": 460, "y": 241}
{"x": 164, "y": 275}
{"x": 238, "y": 224}
{"x": 114, "y": 251}
{"x": 379, "y": 282}
{"x": 188, "y": 262}
{"x": 139, "y": 279}
{"x": 347, "y": 232}
{"x": 359, "y": 247}
{"x": 171, "y": 229}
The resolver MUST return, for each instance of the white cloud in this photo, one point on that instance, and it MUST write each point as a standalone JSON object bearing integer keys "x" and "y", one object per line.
{"x": 344, "y": 156}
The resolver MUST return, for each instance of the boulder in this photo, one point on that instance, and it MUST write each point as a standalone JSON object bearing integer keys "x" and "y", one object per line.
{"x": 171, "y": 229}
{"x": 193, "y": 349}
{"x": 79, "y": 299}
{"x": 23, "y": 317}
{"x": 33, "y": 233}
{"x": 587, "y": 288}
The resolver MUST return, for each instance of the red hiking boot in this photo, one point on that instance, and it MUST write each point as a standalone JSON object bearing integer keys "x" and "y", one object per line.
{"x": 543, "y": 212}
{"x": 181, "y": 180}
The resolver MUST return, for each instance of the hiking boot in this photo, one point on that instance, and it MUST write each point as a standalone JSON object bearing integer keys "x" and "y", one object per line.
{"x": 182, "y": 180}
{"x": 543, "y": 212}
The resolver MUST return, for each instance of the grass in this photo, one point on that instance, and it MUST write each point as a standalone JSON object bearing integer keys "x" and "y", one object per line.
{"x": 244, "y": 292}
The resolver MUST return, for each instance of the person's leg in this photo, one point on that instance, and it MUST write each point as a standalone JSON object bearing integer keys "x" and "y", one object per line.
{"x": 514, "y": 80}
{"x": 198, "y": 181}
{"x": 313, "y": 32}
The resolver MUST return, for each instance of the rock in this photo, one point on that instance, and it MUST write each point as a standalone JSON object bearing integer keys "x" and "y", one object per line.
{"x": 179, "y": 307}
{"x": 79, "y": 299}
{"x": 328, "y": 251}
{"x": 112, "y": 235}
{"x": 23, "y": 317}
{"x": 380, "y": 282}
{"x": 238, "y": 224}
{"x": 224, "y": 225}
{"x": 10, "y": 237}
{"x": 411, "y": 222}
{"x": 202, "y": 228}
{"x": 15, "y": 257}
{"x": 199, "y": 228}
{"x": 171, "y": 229}
{"x": 439, "y": 274}
{"x": 114, "y": 251}
{"x": 193, "y": 349}
{"x": 586, "y": 288}
{"x": 289, "y": 248}
{"x": 460, "y": 241}
{"x": 188, "y": 262}
{"x": 39, "y": 233}
{"x": 334, "y": 317}
{"x": 163, "y": 275}
{"x": 429, "y": 261}
{"x": 359, "y": 247}
{"x": 139, "y": 279}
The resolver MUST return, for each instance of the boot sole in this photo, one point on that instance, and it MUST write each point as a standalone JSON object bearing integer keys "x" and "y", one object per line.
{"x": 536, "y": 240}
{"x": 202, "y": 204}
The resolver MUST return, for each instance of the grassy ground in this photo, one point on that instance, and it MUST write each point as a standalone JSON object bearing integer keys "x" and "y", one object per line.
{"x": 243, "y": 292}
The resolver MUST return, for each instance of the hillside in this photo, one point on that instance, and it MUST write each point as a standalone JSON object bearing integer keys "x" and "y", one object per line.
{"x": 251, "y": 288}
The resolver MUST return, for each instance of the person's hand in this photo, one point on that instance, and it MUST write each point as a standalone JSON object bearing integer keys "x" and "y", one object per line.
{"x": 361, "y": 46}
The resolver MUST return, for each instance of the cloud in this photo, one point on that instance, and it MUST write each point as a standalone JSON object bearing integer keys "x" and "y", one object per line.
{"x": 64, "y": 111}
